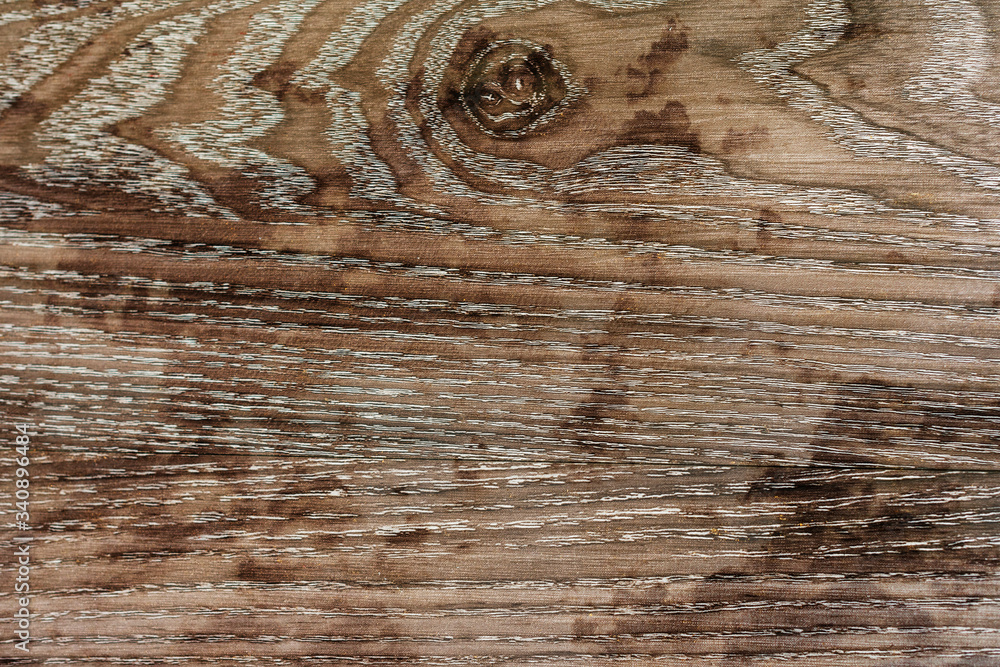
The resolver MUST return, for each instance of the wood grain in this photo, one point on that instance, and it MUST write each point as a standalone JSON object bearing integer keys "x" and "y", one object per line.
{"x": 308, "y": 559}
{"x": 503, "y": 332}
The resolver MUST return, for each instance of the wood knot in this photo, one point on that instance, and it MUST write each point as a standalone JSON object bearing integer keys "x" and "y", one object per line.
{"x": 511, "y": 87}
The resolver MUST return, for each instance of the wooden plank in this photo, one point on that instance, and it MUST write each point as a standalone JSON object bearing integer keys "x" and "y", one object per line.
{"x": 502, "y": 332}
{"x": 177, "y": 557}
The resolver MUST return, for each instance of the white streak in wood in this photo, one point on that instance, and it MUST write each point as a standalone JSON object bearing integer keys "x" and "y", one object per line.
{"x": 82, "y": 151}
{"x": 15, "y": 207}
{"x": 826, "y": 22}
{"x": 348, "y": 132}
{"x": 43, "y": 12}
{"x": 250, "y": 113}
{"x": 53, "y": 43}
{"x": 962, "y": 53}
{"x": 43, "y": 51}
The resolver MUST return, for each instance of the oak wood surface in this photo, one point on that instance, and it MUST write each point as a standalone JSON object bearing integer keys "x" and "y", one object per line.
{"x": 493, "y": 332}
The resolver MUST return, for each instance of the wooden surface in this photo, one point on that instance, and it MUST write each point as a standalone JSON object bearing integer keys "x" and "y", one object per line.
{"x": 509, "y": 332}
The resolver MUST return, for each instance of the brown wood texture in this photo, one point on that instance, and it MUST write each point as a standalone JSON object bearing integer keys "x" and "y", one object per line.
{"x": 521, "y": 332}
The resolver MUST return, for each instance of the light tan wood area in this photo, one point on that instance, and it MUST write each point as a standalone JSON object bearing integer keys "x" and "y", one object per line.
{"x": 520, "y": 332}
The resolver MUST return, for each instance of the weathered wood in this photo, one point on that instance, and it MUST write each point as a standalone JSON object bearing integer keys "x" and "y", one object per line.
{"x": 207, "y": 556}
{"x": 412, "y": 332}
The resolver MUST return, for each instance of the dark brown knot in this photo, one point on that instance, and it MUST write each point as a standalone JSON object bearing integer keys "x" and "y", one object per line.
{"x": 510, "y": 87}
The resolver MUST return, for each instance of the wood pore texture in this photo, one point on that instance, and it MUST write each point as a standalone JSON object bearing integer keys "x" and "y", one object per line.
{"x": 691, "y": 359}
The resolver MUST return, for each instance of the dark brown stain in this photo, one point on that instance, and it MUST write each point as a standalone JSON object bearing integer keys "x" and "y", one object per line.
{"x": 896, "y": 257}
{"x": 28, "y": 108}
{"x": 651, "y": 67}
{"x": 874, "y": 412}
{"x": 464, "y": 472}
{"x": 767, "y": 41}
{"x": 860, "y": 27}
{"x": 765, "y": 220}
{"x": 741, "y": 141}
{"x": 843, "y": 521}
{"x": 276, "y": 79}
{"x": 713, "y": 607}
{"x": 415, "y": 87}
{"x": 237, "y": 191}
{"x": 633, "y": 227}
{"x": 855, "y": 31}
{"x": 262, "y": 571}
{"x": 839, "y": 519}
{"x": 668, "y": 126}
{"x": 585, "y": 628}
{"x": 285, "y": 90}
{"x": 409, "y": 536}
{"x": 600, "y": 404}
{"x": 663, "y": 52}
{"x": 769, "y": 216}
{"x": 648, "y": 81}
{"x": 855, "y": 83}
{"x": 610, "y": 400}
